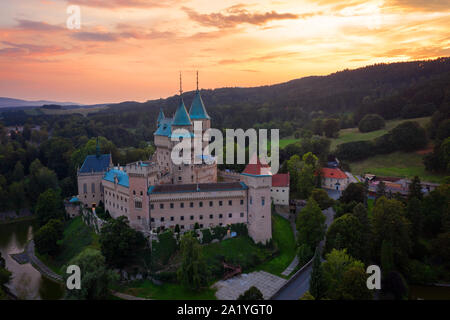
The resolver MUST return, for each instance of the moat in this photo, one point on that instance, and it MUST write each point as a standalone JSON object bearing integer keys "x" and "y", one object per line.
{"x": 27, "y": 282}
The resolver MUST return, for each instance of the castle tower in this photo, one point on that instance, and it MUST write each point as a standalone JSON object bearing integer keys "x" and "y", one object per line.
{"x": 258, "y": 178}
{"x": 197, "y": 112}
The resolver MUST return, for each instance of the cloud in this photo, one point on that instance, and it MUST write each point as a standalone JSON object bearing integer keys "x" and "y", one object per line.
{"x": 236, "y": 15}
{"x": 262, "y": 58}
{"x": 37, "y": 26}
{"x": 96, "y": 36}
{"x": 25, "y": 49}
{"x": 112, "y": 4}
{"x": 425, "y": 5}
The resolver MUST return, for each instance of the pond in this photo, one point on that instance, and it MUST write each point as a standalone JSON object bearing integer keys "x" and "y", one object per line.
{"x": 27, "y": 282}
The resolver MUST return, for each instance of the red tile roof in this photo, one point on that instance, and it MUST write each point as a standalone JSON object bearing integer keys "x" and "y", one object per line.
{"x": 257, "y": 168}
{"x": 280, "y": 180}
{"x": 333, "y": 173}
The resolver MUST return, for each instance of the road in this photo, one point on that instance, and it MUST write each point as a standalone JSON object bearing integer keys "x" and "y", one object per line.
{"x": 298, "y": 286}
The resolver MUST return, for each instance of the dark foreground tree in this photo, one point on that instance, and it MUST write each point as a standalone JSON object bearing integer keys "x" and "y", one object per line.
{"x": 96, "y": 279}
{"x": 49, "y": 206}
{"x": 46, "y": 238}
{"x": 311, "y": 224}
{"x": 317, "y": 285}
{"x": 120, "y": 243}
{"x": 192, "y": 273}
{"x": 252, "y": 293}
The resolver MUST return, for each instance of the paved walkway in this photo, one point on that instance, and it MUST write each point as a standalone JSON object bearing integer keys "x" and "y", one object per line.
{"x": 232, "y": 288}
{"x": 291, "y": 267}
{"x": 29, "y": 256}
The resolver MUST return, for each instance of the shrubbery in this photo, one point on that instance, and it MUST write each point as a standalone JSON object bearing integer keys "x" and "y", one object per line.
{"x": 371, "y": 122}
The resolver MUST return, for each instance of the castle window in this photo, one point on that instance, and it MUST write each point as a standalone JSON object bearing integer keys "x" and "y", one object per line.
{"x": 85, "y": 188}
{"x": 182, "y": 218}
{"x": 220, "y": 203}
{"x": 161, "y": 205}
{"x": 179, "y": 168}
{"x": 93, "y": 188}
{"x": 201, "y": 217}
{"x": 242, "y": 214}
{"x": 142, "y": 193}
{"x": 251, "y": 200}
{"x": 152, "y": 206}
{"x": 263, "y": 201}
{"x": 139, "y": 217}
{"x": 134, "y": 192}
{"x": 191, "y": 204}
{"x": 171, "y": 206}
{"x": 182, "y": 205}
{"x": 211, "y": 216}
{"x": 138, "y": 204}
{"x": 192, "y": 217}
{"x": 179, "y": 178}
{"x": 152, "y": 219}
{"x": 242, "y": 201}
{"x": 230, "y": 215}
{"x": 182, "y": 227}
{"x": 230, "y": 202}
{"x": 210, "y": 203}
{"x": 172, "y": 218}
{"x": 200, "y": 204}
{"x": 162, "y": 219}
{"x": 220, "y": 216}
{"x": 201, "y": 225}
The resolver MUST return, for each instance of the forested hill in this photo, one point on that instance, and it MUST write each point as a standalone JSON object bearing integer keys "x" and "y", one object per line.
{"x": 341, "y": 92}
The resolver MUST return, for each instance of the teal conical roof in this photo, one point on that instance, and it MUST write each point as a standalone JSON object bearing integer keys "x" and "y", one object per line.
{"x": 198, "y": 110}
{"x": 181, "y": 117}
{"x": 161, "y": 115}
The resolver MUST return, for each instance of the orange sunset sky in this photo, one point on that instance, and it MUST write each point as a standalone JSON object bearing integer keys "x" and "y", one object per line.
{"x": 134, "y": 49}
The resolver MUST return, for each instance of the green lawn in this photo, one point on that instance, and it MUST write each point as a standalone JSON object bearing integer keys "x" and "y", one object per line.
{"x": 287, "y": 141}
{"x": 397, "y": 164}
{"x": 167, "y": 291}
{"x": 77, "y": 237}
{"x": 353, "y": 134}
{"x": 283, "y": 237}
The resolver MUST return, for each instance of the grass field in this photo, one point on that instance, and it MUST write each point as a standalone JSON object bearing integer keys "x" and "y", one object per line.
{"x": 397, "y": 164}
{"x": 77, "y": 237}
{"x": 284, "y": 238}
{"x": 353, "y": 134}
{"x": 167, "y": 291}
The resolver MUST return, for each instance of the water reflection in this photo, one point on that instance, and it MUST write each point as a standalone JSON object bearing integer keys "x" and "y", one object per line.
{"x": 27, "y": 282}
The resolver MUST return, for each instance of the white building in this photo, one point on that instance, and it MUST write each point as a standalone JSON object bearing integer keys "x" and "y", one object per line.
{"x": 279, "y": 192}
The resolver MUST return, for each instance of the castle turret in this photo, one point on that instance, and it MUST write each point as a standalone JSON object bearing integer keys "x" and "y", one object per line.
{"x": 258, "y": 178}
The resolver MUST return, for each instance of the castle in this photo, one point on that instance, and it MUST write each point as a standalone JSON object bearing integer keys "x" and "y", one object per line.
{"x": 159, "y": 194}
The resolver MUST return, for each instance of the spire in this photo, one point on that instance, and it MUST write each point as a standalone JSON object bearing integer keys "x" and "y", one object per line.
{"x": 197, "y": 80}
{"x": 97, "y": 149}
{"x": 181, "y": 117}
{"x": 198, "y": 110}
{"x": 161, "y": 115}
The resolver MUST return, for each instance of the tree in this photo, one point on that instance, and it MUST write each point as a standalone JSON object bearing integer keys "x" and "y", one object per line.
{"x": 322, "y": 198}
{"x": 415, "y": 216}
{"x": 40, "y": 179}
{"x": 390, "y": 224}
{"x": 311, "y": 224}
{"x": 307, "y": 296}
{"x": 371, "y": 122}
{"x": 192, "y": 271}
{"x": 381, "y": 190}
{"x": 354, "y": 192}
{"x": 120, "y": 243}
{"x": 394, "y": 284}
{"x": 350, "y": 232}
{"x": 253, "y": 293}
{"x": 409, "y": 136}
{"x": 46, "y": 238}
{"x": 49, "y": 206}
{"x": 331, "y": 128}
{"x": 304, "y": 253}
{"x": 353, "y": 285}
{"x": 306, "y": 181}
{"x": 317, "y": 285}
{"x": 415, "y": 189}
{"x": 336, "y": 264}
{"x": 96, "y": 279}
{"x": 17, "y": 196}
{"x": 18, "y": 173}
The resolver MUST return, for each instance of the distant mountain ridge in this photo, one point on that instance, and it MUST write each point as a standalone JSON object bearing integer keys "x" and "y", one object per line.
{"x": 12, "y": 103}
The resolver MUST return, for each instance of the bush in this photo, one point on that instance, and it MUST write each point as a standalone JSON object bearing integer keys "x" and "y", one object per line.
{"x": 353, "y": 151}
{"x": 240, "y": 228}
{"x": 409, "y": 136}
{"x": 207, "y": 236}
{"x": 252, "y": 293}
{"x": 322, "y": 198}
{"x": 371, "y": 122}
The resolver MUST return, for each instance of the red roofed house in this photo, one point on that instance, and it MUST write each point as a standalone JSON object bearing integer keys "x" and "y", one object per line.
{"x": 280, "y": 189}
{"x": 334, "y": 178}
